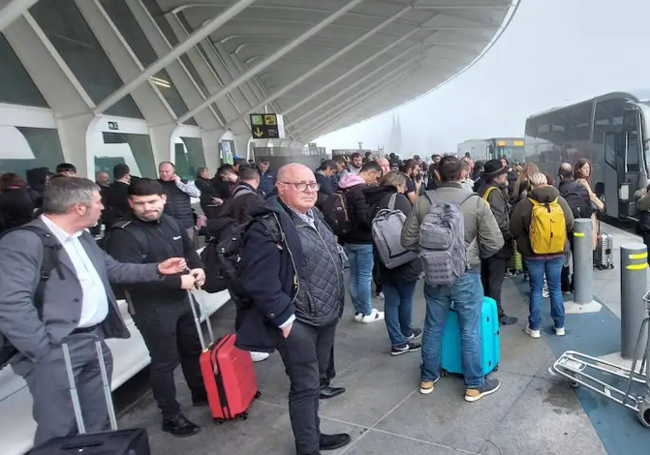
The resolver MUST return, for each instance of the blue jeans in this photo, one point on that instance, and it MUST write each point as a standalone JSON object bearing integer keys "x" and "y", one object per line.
{"x": 467, "y": 295}
{"x": 537, "y": 268}
{"x": 360, "y": 283}
{"x": 398, "y": 309}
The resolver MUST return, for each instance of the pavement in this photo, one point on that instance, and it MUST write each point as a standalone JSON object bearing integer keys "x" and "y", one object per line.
{"x": 534, "y": 412}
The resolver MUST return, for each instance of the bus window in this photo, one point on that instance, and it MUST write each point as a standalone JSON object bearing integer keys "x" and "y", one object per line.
{"x": 633, "y": 151}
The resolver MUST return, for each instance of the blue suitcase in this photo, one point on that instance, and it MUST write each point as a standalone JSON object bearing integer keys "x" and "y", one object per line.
{"x": 451, "y": 360}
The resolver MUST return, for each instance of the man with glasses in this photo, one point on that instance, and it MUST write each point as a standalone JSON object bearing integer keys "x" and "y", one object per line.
{"x": 291, "y": 269}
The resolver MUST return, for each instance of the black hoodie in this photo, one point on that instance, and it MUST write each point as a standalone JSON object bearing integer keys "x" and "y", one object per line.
{"x": 378, "y": 198}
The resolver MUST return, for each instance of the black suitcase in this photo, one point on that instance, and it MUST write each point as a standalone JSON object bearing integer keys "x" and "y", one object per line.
{"x": 114, "y": 442}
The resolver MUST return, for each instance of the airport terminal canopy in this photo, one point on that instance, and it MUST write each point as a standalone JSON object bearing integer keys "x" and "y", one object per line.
{"x": 364, "y": 58}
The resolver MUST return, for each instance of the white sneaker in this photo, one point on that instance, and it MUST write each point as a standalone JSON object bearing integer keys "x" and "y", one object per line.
{"x": 559, "y": 331}
{"x": 259, "y": 356}
{"x": 358, "y": 316}
{"x": 375, "y": 315}
{"x": 532, "y": 333}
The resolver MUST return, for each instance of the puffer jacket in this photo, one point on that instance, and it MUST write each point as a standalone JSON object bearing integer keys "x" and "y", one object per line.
{"x": 280, "y": 281}
{"x": 354, "y": 187}
{"x": 482, "y": 234}
{"x": 522, "y": 216}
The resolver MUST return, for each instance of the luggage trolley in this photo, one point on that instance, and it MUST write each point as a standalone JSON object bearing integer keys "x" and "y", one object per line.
{"x": 593, "y": 373}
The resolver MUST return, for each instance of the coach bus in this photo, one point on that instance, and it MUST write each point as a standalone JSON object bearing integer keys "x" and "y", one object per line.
{"x": 493, "y": 148}
{"x": 611, "y": 131}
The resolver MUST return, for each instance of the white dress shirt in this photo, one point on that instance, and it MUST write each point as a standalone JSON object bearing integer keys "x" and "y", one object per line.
{"x": 94, "y": 305}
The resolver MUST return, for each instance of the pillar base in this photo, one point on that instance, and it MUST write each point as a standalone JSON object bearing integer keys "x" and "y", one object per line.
{"x": 571, "y": 307}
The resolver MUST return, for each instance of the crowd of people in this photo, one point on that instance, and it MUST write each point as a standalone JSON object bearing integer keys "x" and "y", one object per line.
{"x": 303, "y": 228}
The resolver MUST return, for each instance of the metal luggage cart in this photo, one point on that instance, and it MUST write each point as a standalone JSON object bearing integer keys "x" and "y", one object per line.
{"x": 595, "y": 374}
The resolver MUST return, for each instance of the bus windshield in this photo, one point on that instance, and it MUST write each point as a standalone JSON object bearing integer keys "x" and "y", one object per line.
{"x": 515, "y": 153}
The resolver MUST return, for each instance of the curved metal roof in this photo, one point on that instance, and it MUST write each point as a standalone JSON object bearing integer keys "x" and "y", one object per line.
{"x": 371, "y": 56}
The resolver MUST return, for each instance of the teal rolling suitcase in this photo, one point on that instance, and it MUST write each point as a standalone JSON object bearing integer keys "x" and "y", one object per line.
{"x": 451, "y": 360}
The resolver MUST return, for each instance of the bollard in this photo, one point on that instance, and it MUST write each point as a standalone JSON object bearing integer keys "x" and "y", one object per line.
{"x": 583, "y": 261}
{"x": 634, "y": 262}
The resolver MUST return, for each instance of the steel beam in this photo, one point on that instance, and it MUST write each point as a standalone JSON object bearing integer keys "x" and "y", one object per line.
{"x": 12, "y": 10}
{"x": 357, "y": 83}
{"x": 272, "y": 59}
{"x": 361, "y": 65}
{"x": 328, "y": 61}
{"x": 370, "y": 89}
{"x": 176, "y": 52}
{"x": 355, "y": 104}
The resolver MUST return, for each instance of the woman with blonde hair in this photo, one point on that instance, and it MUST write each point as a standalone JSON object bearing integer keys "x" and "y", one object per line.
{"x": 522, "y": 185}
{"x": 582, "y": 175}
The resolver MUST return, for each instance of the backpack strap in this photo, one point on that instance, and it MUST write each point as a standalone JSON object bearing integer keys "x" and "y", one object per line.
{"x": 488, "y": 192}
{"x": 51, "y": 261}
{"x": 391, "y": 201}
{"x": 272, "y": 225}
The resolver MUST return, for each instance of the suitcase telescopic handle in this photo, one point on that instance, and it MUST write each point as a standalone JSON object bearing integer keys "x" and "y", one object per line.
{"x": 76, "y": 404}
{"x": 194, "y": 303}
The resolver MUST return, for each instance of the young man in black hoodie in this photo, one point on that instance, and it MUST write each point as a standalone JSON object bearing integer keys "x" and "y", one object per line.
{"x": 493, "y": 269}
{"x": 358, "y": 243}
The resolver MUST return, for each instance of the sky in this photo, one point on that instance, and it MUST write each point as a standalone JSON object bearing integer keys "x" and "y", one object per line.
{"x": 554, "y": 52}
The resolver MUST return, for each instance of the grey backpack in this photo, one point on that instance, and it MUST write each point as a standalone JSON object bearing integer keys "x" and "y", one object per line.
{"x": 442, "y": 240}
{"x": 386, "y": 233}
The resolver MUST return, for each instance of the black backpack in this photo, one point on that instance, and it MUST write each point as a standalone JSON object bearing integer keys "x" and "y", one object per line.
{"x": 336, "y": 213}
{"x": 51, "y": 248}
{"x": 222, "y": 254}
{"x": 579, "y": 206}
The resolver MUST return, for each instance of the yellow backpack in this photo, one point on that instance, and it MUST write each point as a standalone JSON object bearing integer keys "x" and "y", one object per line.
{"x": 547, "y": 232}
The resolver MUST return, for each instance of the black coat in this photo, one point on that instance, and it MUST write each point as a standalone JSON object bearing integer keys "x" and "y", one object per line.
{"x": 378, "y": 198}
{"x": 358, "y": 208}
{"x": 16, "y": 207}
{"x": 498, "y": 201}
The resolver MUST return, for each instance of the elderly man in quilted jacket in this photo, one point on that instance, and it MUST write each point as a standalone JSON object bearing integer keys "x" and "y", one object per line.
{"x": 296, "y": 288}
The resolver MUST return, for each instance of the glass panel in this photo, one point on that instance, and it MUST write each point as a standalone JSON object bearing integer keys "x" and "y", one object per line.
{"x": 132, "y": 149}
{"x": 75, "y": 42}
{"x": 226, "y": 148}
{"x": 16, "y": 87}
{"x": 126, "y": 23}
{"x": 188, "y": 157}
{"x": 30, "y": 148}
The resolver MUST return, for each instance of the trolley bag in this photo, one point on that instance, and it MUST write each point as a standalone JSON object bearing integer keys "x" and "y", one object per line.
{"x": 115, "y": 442}
{"x": 604, "y": 252}
{"x": 451, "y": 359}
{"x": 227, "y": 371}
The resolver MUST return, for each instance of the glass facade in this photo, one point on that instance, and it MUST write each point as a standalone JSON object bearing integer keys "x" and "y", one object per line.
{"x": 133, "y": 149}
{"x": 17, "y": 86}
{"x": 30, "y": 148}
{"x": 126, "y": 23}
{"x": 68, "y": 32}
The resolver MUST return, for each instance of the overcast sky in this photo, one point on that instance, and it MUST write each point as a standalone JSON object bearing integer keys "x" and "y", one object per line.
{"x": 554, "y": 52}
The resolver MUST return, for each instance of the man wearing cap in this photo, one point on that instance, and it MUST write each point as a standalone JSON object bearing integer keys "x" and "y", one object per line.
{"x": 493, "y": 269}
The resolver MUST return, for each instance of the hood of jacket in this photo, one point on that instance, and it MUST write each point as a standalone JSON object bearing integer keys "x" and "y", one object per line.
{"x": 349, "y": 180}
{"x": 374, "y": 194}
{"x": 544, "y": 194}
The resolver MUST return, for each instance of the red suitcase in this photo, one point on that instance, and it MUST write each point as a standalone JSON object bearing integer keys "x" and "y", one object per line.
{"x": 228, "y": 373}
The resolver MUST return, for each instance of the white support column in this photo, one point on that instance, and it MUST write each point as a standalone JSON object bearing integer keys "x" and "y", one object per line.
{"x": 356, "y": 68}
{"x": 325, "y": 63}
{"x": 273, "y": 58}
{"x": 162, "y": 143}
{"x": 10, "y": 10}
{"x": 241, "y": 145}
{"x": 370, "y": 76}
{"x": 147, "y": 97}
{"x": 210, "y": 141}
{"x": 176, "y": 52}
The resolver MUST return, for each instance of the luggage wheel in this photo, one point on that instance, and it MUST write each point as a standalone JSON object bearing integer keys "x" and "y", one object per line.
{"x": 443, "y": 373}
{"x": 644, "y": 414}
{"x": 257, "y": 395}
{"x": 243, "y": 415}
{"x": 218, "y": 421}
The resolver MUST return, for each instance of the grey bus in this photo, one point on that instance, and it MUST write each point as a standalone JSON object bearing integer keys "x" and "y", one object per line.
{"x": 611, "y": 131}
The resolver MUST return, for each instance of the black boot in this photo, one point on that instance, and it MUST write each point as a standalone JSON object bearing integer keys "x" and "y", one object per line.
{"x": 334, "y": 441}
{"x": 179, "y": 426}
{"x": 504, "y": 319}
{"x": 327, "y": 391}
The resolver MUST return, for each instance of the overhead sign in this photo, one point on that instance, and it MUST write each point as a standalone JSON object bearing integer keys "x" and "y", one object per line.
{"x": 267, "y": 126}
{"x": 113, "y": 126}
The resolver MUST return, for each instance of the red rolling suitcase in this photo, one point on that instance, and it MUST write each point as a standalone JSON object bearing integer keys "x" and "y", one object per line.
{"x": 115, "y": 442}
{"x": 228, "y": 373}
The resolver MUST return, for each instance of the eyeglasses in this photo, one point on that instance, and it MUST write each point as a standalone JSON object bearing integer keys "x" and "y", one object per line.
{"x": 302, "y": 186}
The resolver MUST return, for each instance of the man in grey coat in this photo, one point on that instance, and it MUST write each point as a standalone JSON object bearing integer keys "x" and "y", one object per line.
{"x": 76, "y": 299}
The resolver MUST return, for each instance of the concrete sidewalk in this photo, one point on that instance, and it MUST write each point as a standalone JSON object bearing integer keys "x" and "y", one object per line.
{"x": 533, "y": 413}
